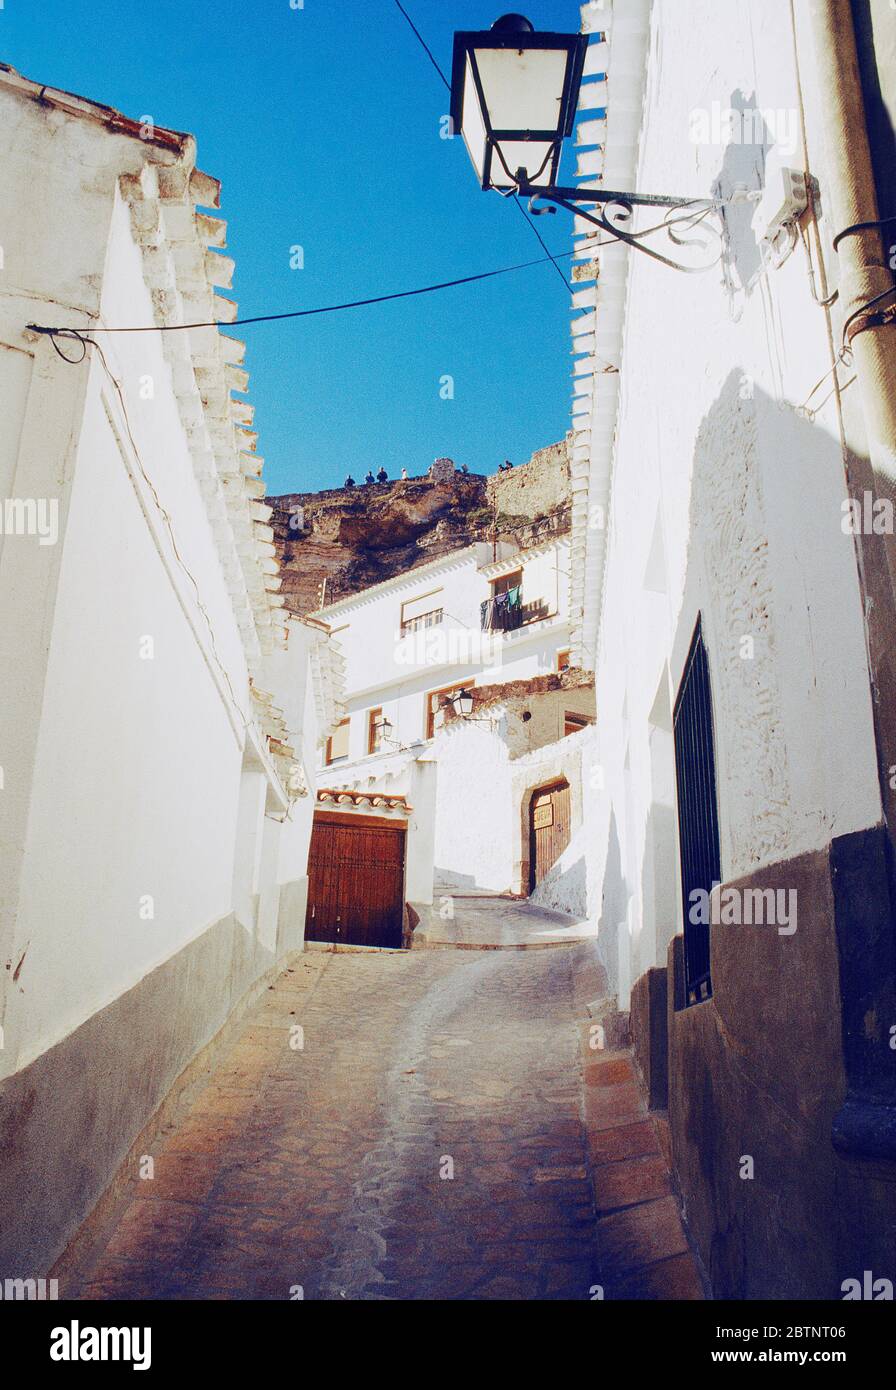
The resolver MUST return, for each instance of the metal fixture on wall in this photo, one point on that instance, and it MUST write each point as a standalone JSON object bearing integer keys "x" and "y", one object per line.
{"x": 514, "y": 95}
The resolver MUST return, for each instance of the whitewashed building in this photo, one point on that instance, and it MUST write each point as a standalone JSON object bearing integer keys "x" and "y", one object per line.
{"x": 161, "y": 715}
{"x": 449, "y": 690}
{"x": 741, "y": 634}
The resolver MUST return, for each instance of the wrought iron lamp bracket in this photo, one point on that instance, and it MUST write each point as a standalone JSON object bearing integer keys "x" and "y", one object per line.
{"x": 625, "y": 203}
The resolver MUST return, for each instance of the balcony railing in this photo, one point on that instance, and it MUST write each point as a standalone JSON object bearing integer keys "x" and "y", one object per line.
{"x": 502, "y": 612}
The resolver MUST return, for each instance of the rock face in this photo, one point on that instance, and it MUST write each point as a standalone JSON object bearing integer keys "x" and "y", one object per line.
{"x": 338, "y": 542}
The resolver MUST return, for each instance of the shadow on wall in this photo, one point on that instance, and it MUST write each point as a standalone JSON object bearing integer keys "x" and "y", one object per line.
{"x": 743, "y": 163}
{"x": 758, "y": 1069}
{"x": 877, "y": 57}
{"x": 564, "y": 887}
{"x": 660, "y": 881}
{"x": 614, "y": 906}
{"x": 448, "y": 881}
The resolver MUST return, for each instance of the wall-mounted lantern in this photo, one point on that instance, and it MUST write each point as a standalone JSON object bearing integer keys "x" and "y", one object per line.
{"x": 513, "y": 98}
{"x": 514, "y": 95}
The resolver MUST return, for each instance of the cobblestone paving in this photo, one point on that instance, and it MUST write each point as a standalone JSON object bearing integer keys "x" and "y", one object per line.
{"x": 426, "y": 1141}
{"x": 490, "y": 923}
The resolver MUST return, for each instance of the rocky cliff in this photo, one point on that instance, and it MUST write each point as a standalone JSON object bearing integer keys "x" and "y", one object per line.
{"x": 338, "y": 542}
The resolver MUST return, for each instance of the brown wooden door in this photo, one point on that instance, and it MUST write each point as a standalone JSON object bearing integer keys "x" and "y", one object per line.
{"x": 355, "y": 882}
{"x": 548, "y": 829}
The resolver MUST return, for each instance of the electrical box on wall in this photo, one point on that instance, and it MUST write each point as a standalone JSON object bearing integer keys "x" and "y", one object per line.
{"x": 784, "y": 199}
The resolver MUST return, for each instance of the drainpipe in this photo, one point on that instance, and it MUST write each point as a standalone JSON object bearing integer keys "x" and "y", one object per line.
{"x": 863, "y": 876}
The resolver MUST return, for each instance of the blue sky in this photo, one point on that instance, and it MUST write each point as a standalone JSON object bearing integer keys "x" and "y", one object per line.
{"x": 323, "y": 124}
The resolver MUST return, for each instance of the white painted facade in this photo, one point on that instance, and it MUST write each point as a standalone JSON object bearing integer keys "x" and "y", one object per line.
{"x": 467, "y": 833}
{"x": 161, "y": 715}
{"x": 393, "y": 671}
{"x": 702, "y": 487}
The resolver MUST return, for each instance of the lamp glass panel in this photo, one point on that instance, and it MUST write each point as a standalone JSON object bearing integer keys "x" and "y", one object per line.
{"x": 523, "y": 89}
{"x": 473, "y": 126}
{"x": 522, "y": 154}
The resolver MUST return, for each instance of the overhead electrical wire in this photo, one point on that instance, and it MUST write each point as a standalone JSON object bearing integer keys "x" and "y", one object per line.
{"x": 703, "y": 206}
{"x": 300, "y": 313}
{"x": 423, "y": 44}
{"x": 525, "y": 216}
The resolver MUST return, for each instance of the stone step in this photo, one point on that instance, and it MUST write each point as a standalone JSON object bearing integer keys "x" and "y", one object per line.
{"x": 643, "y": 1247}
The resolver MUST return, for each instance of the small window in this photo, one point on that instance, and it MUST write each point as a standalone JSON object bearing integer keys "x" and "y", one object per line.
{"x": 337, "y": 743}
{"x": 506, "y": 583}
{"x": 423, "y": 620}
{"x": 376, "y": 728}
{"x": 502, "y": 611}
{"x": 563, "y": 661}
{"x": 423, "y": 611}
{"x": 573, "y": 723}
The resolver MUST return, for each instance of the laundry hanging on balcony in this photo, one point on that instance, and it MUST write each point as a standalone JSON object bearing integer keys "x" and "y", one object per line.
{"x": 502, "y": 612}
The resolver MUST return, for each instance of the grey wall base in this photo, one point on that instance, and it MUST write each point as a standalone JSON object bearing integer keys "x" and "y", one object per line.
{"x": 650, "y": 1035}
{"x": 69, "y": 1119}
{"x": 756, "y": 1077}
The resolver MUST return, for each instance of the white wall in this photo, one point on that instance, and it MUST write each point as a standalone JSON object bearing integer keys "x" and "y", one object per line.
{"x": 565, "y": 886}
{"x": 385, "y": 670}
{"x": 123, "y": 840}
{"x": 475, "y": 831}
{"x": 725, "y": 502}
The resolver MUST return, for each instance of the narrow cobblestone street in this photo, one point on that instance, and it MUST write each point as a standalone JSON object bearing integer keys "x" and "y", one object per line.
{"x": 428, "y": 1140}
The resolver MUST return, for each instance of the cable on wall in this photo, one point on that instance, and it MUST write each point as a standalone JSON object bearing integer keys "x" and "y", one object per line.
{"x": 73, "y": 335}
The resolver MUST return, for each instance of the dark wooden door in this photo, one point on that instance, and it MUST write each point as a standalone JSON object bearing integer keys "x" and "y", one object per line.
{"x": 355, "y": 882}
{"x": 548, "y": 829}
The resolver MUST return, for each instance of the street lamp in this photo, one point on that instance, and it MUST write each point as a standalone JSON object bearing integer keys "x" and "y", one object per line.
{"x": 382, "y": 731}
{"x": 514, "y": 95}
{"x": 463, "y": 703}
{"x": 513, "y": 98}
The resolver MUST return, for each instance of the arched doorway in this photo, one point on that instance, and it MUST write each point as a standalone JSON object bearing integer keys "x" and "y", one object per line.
{"x": 549, "y": 828}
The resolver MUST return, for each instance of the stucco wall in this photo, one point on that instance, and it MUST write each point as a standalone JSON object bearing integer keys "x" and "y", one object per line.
{"x": 394, "y": 674}
{"x": 565, "y": 886}
{"x": 140, "y": 850}
{"x": 474, "y": 835}
{"x": 482, "y": 812}
{"x": 726, "y": 502}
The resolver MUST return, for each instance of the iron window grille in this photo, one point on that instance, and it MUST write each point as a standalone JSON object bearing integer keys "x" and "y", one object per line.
{"x": 698, "y": 817}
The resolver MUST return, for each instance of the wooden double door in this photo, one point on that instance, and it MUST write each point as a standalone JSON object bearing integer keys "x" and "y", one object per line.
{"x": 355, "y": 881}
{"x": 549, "y": 829}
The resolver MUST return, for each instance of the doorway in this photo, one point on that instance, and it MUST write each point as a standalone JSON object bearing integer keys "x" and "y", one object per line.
{"x": 355, "y": 881}
{"x": 549, "y": 828}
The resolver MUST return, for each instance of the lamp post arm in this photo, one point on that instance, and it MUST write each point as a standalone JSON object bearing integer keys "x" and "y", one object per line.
{"x": 560, "y": 194}
{"x": 626, "y": 202}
